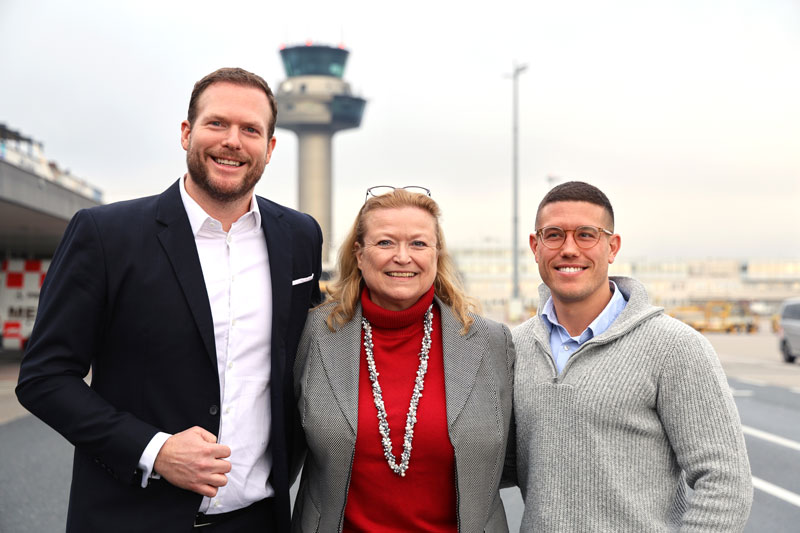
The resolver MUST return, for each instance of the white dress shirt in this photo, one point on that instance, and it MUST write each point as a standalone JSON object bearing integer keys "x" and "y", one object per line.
{"x": 237, "y": 277}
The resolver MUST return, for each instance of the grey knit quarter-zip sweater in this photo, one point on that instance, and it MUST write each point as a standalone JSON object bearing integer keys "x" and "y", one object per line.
{"x": 638, "y": 413}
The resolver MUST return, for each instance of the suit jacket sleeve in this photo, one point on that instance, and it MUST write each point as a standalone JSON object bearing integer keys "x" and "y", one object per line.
{"x": 313, "y": 244}
{"x": 316, "y": 295}
{"x": 299, "y": 372}
{"x": 67, "y": 338}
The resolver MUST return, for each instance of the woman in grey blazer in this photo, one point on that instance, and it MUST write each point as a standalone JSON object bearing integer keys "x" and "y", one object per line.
{"x": 381, "y": 455}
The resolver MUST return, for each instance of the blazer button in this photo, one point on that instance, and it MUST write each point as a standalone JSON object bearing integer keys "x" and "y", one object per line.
{"x": 213, "y": 410}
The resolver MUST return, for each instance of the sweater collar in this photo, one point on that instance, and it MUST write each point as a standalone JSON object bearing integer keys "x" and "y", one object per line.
{"x": 636, "y": 310}
{"x": 384, "y": 318}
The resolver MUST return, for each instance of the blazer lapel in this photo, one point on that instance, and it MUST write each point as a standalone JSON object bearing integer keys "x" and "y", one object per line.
{"x": 178, "y": 242}
{"x": 341, "y": 358}
{"x": 279, "y": 248}
{"x": 462, "y": 357}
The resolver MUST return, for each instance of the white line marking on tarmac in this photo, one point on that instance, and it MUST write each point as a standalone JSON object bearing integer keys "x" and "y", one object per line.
{"x": 795, "y": 390}
{"x": 741, "y": 392}
{"x": 777, "y": 491}
{"x": 775, "y": 439}
{"x": 754, "y": 382}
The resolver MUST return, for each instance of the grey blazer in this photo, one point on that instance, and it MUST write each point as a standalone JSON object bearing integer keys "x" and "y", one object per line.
{"x": 478, "y": 371}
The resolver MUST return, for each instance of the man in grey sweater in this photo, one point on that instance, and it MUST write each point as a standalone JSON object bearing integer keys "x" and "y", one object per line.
{"x": 620, "y": 409}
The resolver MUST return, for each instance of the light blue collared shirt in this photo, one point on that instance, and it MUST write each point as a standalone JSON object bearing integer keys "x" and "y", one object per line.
{"x": 562, "y": 344}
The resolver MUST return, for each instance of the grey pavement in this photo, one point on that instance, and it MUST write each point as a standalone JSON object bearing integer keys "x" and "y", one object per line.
{"x": 34, "y": 476}
{"x": 9, "y": 370}
{"x": 776, "y": 411}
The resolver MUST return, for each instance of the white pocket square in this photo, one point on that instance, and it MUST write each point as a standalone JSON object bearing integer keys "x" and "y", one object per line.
{"x": 298, "y": 281}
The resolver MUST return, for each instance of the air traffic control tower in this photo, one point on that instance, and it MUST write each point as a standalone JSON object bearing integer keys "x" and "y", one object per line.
{"x": 315, "y": 102}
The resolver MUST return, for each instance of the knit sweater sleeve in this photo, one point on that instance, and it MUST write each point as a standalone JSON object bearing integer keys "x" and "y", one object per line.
{"x": 701, "y": 421}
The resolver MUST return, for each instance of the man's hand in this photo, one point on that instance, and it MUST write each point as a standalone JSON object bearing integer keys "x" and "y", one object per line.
{"x": 193, "y": 460}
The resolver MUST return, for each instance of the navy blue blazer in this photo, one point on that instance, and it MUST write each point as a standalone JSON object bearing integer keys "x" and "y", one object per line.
{"x": 125, "y": 296}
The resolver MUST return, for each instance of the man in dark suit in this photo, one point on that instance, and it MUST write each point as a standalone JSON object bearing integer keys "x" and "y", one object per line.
{"x": 187, "y": 307}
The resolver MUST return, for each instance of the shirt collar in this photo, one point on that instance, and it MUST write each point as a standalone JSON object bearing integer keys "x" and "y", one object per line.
{"x": 198, "y": 216}
{"x": 601, "y": 322}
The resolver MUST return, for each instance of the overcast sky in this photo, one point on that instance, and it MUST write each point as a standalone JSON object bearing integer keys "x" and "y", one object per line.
{"x": 686, "y": 113}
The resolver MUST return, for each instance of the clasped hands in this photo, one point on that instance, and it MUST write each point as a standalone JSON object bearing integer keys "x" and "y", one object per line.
{"x": 193, "y": 460}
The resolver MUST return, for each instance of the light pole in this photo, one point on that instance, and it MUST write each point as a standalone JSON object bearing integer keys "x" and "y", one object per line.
{"x": 518, "y": 69}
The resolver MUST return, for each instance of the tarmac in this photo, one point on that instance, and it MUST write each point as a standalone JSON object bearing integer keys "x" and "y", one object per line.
{"x": 10, "y": 408}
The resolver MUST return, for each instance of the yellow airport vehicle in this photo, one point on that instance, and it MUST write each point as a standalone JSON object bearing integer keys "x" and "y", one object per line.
{"x": 728, "y": 317}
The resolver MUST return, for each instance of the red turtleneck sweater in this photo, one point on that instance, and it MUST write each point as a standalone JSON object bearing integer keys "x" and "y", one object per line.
{"x": 425, "y": 499}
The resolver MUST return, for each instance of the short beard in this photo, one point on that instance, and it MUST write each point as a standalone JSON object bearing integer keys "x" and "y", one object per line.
{"x": 198, "y": 173}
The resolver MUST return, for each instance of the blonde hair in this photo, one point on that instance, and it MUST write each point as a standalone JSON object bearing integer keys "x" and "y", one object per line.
{"x": 345, "y": 290}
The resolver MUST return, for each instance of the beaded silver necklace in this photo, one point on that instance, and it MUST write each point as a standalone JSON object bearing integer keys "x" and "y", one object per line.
{"x": 377, "y": 394}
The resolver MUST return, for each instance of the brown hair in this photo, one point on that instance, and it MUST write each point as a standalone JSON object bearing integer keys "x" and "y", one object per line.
{"x": 345, "y": 290}
{"x": 577, "y": 191}
{"x": 236, "y": 76}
